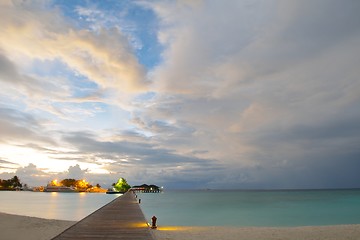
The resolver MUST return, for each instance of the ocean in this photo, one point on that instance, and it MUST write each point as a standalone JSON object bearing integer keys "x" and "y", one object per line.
{"x": 253, "y": 208}
{"x": 202, "y": 208}
{"x": 54, "y": 205}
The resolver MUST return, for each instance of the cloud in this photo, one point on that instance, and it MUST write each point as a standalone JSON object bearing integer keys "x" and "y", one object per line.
{"x": 7, "y": 70}
{"x": 7, "y": 165}
{"x": 19, "y": 127}
{"x": 36, "y": 89}
{"x": 245, "y": 41}
{"x": 49, "y": 94}
{"x": 136, "y": 152}
{"x": 247, "y": 94}
{"x": 172, "y": 178}
{"x": 31, "y": 175}
{"x": 35, "y": 176}
{"x": 139, "y": 161}
{"x": 261, "y": 84}
{"x": 76, "y": 172}
{"x": 104, "y": 57}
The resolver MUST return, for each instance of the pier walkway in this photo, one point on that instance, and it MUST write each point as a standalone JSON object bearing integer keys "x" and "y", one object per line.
{"x": 120, "y": 219}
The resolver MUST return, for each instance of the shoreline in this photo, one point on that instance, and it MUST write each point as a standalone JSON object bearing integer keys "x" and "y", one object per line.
{"x": 13, "y": 227}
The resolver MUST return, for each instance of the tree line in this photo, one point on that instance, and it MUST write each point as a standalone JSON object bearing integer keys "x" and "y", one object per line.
{"x": 70, "y": 182}
{"x": 75, "y": 183}
{"x": 10, "y": 184}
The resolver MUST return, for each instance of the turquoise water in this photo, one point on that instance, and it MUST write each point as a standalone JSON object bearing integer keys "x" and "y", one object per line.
{"x": 202, "y": 208}
{"x": 64, "y": 206}
{"x": 253, "y": 208}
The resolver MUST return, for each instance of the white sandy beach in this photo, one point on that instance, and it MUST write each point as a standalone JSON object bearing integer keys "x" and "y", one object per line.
{"x": 339, "y": 232}
{"x": 13, "y": 227}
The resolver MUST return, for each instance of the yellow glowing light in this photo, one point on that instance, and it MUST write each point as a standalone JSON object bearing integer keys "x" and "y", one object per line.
{"x": 171, "y": 228}
{"x": 138, "y": 225}
{"x": 82, "y": 184}
{"x": 55, "y": 183}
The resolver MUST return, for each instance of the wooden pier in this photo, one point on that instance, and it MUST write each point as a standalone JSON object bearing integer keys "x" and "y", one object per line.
{"x": 120, "y": 219}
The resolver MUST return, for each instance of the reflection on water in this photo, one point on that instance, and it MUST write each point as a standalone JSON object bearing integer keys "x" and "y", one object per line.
{"x": 172, "y": 228}
{"x": 64, "y": 206}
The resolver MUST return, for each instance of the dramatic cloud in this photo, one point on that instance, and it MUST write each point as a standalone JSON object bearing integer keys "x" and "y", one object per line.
{"x": 278, "y": 89}
{"x": 37, "y": 32}
{"x": 125, "y": 157}
{"x": 236, "y": 94}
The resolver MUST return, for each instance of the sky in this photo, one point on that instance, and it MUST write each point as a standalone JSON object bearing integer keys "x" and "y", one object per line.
{"x": 246, "y": 94}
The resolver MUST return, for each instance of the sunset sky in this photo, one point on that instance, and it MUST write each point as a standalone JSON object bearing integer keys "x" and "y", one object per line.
{"x": 182, "y": 94}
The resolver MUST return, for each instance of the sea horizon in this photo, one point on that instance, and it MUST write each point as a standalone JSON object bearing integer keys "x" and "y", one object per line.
{"x": 260, "y": 189}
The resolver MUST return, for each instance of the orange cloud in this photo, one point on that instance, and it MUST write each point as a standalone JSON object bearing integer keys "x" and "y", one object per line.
{"x": 105, "y": 57}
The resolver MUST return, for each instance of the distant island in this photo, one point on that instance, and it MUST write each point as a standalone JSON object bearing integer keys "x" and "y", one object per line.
{"x": 77, "y": 185}
{"x": 65, "y": 185}
{"x": 11, "y": 184}
{"x": 122, "y": 186}
{"x": 71, "y": 185}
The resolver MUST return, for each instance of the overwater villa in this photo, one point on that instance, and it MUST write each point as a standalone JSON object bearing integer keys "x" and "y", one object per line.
{"x": 147, "y": 188}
